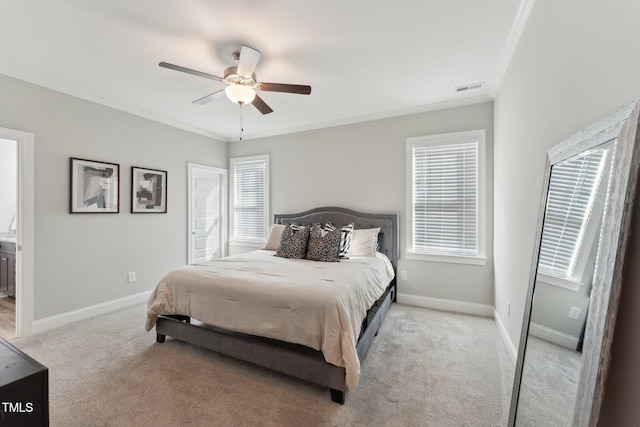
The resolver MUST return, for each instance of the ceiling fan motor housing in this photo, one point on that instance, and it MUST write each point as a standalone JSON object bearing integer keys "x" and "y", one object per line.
{"x": 231, "y": 77}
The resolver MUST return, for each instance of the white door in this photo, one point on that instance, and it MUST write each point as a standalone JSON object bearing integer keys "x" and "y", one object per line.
{"x": 207, "y": 213}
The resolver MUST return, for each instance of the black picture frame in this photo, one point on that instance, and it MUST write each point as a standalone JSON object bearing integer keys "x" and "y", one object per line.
{"x": 94, "y": 186}
{"x": 148, "y": 190}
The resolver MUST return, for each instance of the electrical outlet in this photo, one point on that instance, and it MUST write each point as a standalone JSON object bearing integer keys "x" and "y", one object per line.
{"x": 132, "y": 276}
{"x": 574, "y": 313}
{"x": 403, "y": 275}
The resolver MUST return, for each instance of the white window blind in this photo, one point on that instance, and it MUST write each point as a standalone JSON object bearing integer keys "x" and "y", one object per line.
{"x": 445, "y": 198}
{"x": 572, "y": 189}
{"x": 250, "y": 199}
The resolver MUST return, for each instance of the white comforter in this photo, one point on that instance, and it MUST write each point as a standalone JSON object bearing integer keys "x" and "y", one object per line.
{"x": 317, "y": 304}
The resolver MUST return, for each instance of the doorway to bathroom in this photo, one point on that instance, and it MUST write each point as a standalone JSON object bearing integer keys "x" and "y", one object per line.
{"x": 8, "y": 204}
{"x": 17, "y": 225}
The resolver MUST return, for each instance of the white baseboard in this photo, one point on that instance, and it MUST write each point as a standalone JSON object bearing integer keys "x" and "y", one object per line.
{"x": 513, "y": 352}
{"x": 553, "y": 336}
{"x": 51, "y": 322}
{"x": 446, "y": 305}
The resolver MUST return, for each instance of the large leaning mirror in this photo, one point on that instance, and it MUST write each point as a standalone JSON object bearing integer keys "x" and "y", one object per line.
{"x": 576, "y": 274}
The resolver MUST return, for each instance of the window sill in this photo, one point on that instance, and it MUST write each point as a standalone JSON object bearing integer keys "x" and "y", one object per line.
{"x": 559, "y": 282}
{"x": 249, "y": 243}
{"x": 455, "y": 259}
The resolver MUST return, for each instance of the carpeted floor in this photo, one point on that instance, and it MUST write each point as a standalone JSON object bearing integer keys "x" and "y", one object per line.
{"x": 425, "y": 368}
{"x": 549, "y": 385}
{"x": 7, "y": 318}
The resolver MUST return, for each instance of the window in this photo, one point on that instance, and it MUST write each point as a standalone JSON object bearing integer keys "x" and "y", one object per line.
{"x": 445, "y": 184}
{"x": 568, "y": 223}
{"x": 250, "y": 199}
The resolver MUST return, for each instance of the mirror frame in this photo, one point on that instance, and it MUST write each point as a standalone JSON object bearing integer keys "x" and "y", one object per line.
{"x": 622, "y": 125}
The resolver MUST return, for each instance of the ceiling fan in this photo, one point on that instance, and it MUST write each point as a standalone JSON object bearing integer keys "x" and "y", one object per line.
{"x": 241, "y": 81}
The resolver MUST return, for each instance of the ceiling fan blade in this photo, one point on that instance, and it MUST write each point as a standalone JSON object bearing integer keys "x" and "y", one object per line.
{"x": 209, "y": 98}
{"x": 283, "y": 87}
{"x": 261, "y": 105}
{"x": 247, "y": 61}
{"x": 189, "y": 71}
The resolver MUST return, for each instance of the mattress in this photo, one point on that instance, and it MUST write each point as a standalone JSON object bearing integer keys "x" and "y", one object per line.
{"x": 320, "y": 305}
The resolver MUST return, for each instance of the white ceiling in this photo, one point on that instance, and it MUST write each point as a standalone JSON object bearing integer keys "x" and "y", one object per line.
{"x": 365, "y": 59}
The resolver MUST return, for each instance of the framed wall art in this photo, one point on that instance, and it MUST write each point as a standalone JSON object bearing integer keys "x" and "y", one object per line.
{"x": 148, "y": 190}
{"x": 95, "y": 187}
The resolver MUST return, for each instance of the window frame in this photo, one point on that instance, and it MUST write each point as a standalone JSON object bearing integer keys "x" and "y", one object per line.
{"x": 591, "y": 231}
{"x": 478, "y": 136}
{"x": 240, "y": 241}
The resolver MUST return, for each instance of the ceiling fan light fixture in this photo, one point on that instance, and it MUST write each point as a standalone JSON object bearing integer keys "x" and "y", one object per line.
{"x": 240, "y": 94}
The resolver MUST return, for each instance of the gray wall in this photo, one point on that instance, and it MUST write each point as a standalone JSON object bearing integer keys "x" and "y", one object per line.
{"x": 83, "y": 259}
{"x": 362, "y": 166}
{"x": 576, "y": 61}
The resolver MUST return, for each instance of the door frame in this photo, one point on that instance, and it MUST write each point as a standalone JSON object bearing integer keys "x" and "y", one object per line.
{"x": 25, "y": 214}
{"x": 224, "y": 173}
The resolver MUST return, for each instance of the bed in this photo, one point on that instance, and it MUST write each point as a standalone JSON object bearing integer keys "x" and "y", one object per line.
{"x": 303, "y": 352}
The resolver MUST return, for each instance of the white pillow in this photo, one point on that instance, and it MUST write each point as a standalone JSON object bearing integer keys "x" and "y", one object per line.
{"x": 364, "y": 242}
{"x": 274, "y": 237}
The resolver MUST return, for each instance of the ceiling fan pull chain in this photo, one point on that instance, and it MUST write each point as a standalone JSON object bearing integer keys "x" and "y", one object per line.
{"x": 241, "y": 123}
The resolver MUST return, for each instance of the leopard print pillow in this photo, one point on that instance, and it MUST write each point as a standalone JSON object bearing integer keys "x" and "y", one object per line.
{"x": 293, "y": 243}
{"x": 324, "y": 243}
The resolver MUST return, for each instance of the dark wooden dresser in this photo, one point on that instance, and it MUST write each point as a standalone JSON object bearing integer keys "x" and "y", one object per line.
{"x": 8, "y": 268}
{"x": 24, "y": 389}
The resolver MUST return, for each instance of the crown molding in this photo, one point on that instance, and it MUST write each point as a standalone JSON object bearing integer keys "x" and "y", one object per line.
{"x": 459, "y": 102}
{"x": 443, "y": 105}
{"x": 512, "y": 43}
{"x": 106, "y": 102}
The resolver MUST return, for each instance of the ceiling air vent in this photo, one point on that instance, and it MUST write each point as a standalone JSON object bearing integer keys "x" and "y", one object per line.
{"x": 466, "y": 88}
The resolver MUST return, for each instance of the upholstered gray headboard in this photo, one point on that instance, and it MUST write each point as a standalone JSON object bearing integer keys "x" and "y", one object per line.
{"x": 388, "y": 223}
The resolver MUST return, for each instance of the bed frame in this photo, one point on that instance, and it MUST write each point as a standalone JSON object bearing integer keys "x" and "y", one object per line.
{"x": 296, "y": 360}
